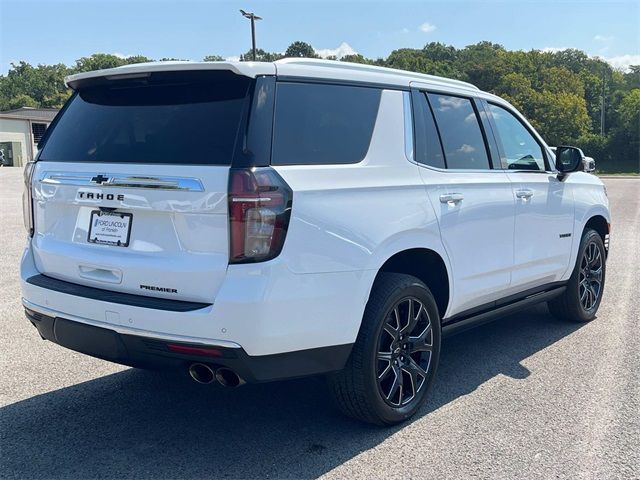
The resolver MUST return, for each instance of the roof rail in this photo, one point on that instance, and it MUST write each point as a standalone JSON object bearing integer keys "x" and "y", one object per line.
{"x": 315, "y": 62}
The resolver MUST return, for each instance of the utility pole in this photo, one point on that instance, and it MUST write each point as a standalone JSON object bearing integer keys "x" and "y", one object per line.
{"x": 253, "y": 17}
{"x": 604, "y": 72}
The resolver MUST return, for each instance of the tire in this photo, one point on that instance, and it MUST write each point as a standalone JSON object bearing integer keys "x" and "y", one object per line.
{"x": 391, "y": 340}
{"x": 582, "y": 297}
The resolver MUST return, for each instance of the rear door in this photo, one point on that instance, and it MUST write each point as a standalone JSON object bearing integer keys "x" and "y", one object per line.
{"x": 544, "y": 204}
{"x": 130, "y": 186}
{"x": 472, "y": 201}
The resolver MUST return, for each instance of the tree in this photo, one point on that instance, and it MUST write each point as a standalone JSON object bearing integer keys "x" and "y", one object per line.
{"x": 561, "y": 118}
{"x": 629, "y": 111}
{"x": 19, "y": 101}
{"x": 213, "y": 58}
{"x": 261, "y": 56}
{"x": 356, "y": 58}
{"x": 410, "y": 59}
{"x": 484, "y": 64}
{"x": 560, "y": 79}
{"x": 99, "y": 61}
{"x": 300, "y": 49}
{"x": 632, "y": 78}
{"x": 516, "y": 88}
{"x": 29, "y": 86}
{"x": 439, "y": 52}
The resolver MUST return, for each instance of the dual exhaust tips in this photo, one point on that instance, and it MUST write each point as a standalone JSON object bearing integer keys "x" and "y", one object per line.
{"x": 204, "y": 374}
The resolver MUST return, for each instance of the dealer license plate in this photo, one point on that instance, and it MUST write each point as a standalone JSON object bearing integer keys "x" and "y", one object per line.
{"x": 110, "y": 228}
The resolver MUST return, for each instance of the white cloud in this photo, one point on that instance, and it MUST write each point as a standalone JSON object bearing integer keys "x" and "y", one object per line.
{"x": 603, "y": 38}
{"x": 343, "y": 49}
{"x": 466, "y": 149}
{"x": 623, "y": 61}
{"x": 427, "y": 27}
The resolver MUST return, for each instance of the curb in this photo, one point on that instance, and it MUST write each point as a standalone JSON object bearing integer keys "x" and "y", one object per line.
{"x": 619, "y": 176}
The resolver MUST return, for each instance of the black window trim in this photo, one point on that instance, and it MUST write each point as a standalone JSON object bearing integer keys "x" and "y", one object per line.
{"x": 545, "y": 157}
{"x": 415, "y": 98}
{"x": 473, "y": 100}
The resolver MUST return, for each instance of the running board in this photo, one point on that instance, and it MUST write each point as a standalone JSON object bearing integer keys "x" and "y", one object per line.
{"x": 467, "y": 322}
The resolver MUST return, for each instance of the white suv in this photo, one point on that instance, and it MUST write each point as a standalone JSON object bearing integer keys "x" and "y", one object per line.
{"x": 248, "y": 222}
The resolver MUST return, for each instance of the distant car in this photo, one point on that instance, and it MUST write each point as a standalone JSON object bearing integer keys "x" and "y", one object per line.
{"x": 588, "y": 163}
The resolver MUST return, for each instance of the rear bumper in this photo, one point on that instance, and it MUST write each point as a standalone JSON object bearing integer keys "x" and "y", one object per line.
{"x": 264, "y": 309}
{"x": 159, "y": 353}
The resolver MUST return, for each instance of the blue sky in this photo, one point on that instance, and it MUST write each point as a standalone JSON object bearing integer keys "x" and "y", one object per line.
{"x": 56, "y": 31}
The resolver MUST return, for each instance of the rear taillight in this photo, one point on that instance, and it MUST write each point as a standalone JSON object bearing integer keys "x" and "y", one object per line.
{"x": 259, "y": 210}
{"x": 27, "y": 198}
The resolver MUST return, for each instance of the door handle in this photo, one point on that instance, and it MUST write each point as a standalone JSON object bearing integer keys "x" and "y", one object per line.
{"x": 100, "y": 274}
{"x": 451, "y": 198}
{"x": 524, "y": 193}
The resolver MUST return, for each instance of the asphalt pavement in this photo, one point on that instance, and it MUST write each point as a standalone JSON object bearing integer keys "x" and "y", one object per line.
{"x": 527, "y": 396}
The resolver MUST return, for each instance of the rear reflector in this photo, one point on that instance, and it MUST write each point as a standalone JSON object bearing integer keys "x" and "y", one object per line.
{"x": 208, "y": 352}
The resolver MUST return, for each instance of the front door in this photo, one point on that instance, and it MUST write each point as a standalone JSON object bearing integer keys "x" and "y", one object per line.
{"x": 544, "y": 204}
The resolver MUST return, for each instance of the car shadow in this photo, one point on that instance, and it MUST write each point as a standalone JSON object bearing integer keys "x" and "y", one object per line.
{"x": 144, "y": 424}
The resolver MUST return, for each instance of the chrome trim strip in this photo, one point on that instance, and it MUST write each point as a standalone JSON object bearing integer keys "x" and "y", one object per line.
{"x": 81, "y": 179}
{"x": 130, "y": 331}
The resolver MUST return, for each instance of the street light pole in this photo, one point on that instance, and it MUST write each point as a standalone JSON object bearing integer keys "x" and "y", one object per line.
{"x": 253, "y": 17}
{"x": 602, "y": 104}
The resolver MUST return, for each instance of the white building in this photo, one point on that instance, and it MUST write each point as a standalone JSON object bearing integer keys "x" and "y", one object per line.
{"x": 20, "y": 132}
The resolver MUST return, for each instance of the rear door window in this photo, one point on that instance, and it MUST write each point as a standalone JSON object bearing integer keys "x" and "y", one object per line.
{"x": 319, "y": 124}
{"x": 181, "y": 118}
{"x": 460, "y": 131}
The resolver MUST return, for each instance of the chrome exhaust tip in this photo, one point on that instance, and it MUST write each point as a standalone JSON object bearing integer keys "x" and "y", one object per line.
{"x": 228, "y": 378}
{"x": 201, "y": 373}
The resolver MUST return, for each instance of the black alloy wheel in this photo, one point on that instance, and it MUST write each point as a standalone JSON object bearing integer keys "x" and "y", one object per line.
{"x": 394, "y": 360}
{"x": 404, "y": 354}
{"x": 590, "y": 276}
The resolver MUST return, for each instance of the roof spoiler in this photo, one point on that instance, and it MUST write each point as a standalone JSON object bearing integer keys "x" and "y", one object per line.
{"x": 141, "y": 70}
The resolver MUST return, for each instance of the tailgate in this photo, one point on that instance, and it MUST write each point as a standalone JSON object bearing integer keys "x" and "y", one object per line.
{"x": 130, "y": 186}
{"x": 177, "y": 228}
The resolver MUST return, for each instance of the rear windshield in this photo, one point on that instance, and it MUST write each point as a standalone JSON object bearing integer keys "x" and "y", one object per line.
{"x": 170, "y": 117}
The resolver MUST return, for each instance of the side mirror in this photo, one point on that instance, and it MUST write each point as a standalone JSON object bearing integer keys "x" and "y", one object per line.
{"x": 568, "y": 159}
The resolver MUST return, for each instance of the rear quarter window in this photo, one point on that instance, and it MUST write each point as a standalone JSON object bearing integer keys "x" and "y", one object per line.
{"x": 319, "y": 124}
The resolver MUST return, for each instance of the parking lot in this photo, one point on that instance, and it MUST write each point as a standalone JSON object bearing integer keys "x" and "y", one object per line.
{"x": 524, "y": 397}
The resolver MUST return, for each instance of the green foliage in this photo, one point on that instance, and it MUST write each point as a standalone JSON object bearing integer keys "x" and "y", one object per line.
{"x": 629, "y": 111}
{"x": 560, "y": 93}
{"x": 99, "y": 61}
{"x": 213, "y": 58}
{"x": 561, "y": 117}
{"x": 300, "y": 49}
{"x": 26, "y": 85}
{"x": 356, "y": 58}
{"x": 261, "y": 56}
